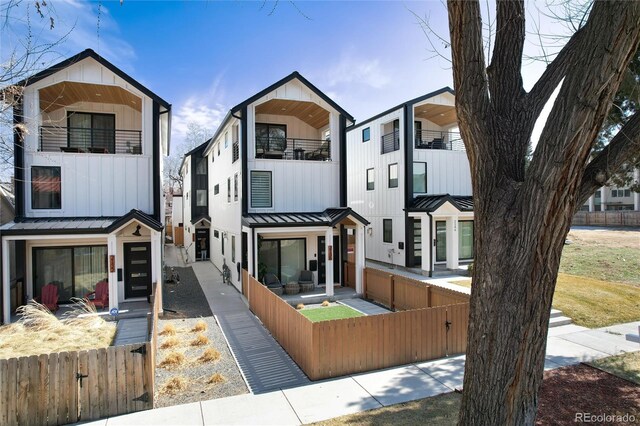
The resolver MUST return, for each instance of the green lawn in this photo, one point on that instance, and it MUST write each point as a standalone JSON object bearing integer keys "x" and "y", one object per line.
{"x": 617, "y": 264}
{"x": 591, "y": 302}
{"x": 330, "y": 313}
{"x": 626, "y": 366}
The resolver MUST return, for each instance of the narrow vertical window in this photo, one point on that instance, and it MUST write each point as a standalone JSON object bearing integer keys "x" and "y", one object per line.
{"x": 228, "y": 190}
{"x": 419, "y": 177}
{"x": 366, "y": 134}
{"x": 370, "y": 180}
{"x": 393, "y": 175}
{"x": 235, "y": 187}
{"x": 261, "y": 189}
{"x": 46, "y": 187}
{"x": 387, "y": 231}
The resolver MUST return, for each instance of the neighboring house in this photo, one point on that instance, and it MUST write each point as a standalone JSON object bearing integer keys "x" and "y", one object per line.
{"x": 409, "y": 175}
{"x": 7, "y": 214}
{"x": 277, "y": 187}
{"x": 197, "y": 222}
{"x": 89, "y": 199}
{"x": 177, "y": 220}
{"x": 610, "y": 198}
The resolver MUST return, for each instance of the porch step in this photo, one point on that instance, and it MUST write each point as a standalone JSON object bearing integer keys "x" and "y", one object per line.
{"x": 555, "y": 313}
{"x": 559, "y": 320}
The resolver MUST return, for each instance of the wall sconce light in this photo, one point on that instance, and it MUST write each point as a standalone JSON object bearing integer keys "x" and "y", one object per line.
{"x": 370, "y": 231}
{"x": 137, "y": 231}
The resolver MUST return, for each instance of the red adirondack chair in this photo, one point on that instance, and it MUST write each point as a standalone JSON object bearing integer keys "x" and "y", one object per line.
{"x": 101, "y": 295}
{"x": 49, "y": 297}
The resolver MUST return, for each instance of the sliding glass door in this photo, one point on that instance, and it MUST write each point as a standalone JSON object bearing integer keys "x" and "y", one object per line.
{"x": 285, "y": 258}
{"x": 74, "y": 270}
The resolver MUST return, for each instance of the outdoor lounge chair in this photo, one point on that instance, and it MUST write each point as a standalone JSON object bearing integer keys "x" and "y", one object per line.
{"x": 100, "y": 297}
{"x": 49, "y": 297}
{"x": 306, "y": 277}
{"x": 273, "y": 283}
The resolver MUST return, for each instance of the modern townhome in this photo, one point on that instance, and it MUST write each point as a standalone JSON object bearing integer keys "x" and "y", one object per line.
{"x": 609, "y": 198}
{"x": 88, "y": 195}
{"x": 277, "y": 187}
{"x": 408, "y": 174}
{"x": 197, "y": 222}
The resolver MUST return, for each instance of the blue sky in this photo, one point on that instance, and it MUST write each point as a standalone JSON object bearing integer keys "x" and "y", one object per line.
{"x": 204, "y": 57}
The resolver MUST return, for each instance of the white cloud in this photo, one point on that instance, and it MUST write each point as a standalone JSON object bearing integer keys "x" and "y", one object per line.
{"x": 352, "y": 69}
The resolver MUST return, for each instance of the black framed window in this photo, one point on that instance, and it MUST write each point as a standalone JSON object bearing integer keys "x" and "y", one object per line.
{"x": 216, "y": 189}
{"x": 283, "y": 257}
{"x": 387, "y": 231}
{"x": 201, "y": 197}
{"x": 228, "y": 190}
{"x": 74, "y": 270}
{"x": 201, "y": 166}
{"x": 419, "y": 177}
{"x": 46, "y": 187}
{"x": 370, "y": 180}
{"x": 366, "y": 134}
{"x": 93, "y": 132}
{"x": 233, "y": 249}
{"x": 465, "y": 239}
{"x": 235, "y": 187}
{"x": 216, "y": 234}
{"x": 393, "y": 175}
{"x": 271, "y": 139}
{"x": 261, "y": 191}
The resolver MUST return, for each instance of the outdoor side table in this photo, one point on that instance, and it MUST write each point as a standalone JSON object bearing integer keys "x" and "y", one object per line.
{"x": 292, "y": 288}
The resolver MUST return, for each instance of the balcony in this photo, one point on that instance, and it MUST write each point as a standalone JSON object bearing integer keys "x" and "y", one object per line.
{"x": 390, "y": 142}
{"x": 90, "y": 140}
{"x": 293, "y": 149}
{"x": 433, "y": 139}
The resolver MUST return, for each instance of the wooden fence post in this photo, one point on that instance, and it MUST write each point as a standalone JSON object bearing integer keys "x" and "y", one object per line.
{"x": 391, "y": 295}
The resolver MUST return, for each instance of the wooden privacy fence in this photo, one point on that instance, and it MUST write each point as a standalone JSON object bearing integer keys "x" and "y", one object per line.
{"x": 610, "y": 218}
{"x": 68, "y": 387}
{"x": 334, "y": 348}
{"x": 404, "y": 293}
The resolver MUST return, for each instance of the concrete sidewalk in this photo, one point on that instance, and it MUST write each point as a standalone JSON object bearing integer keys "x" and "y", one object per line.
{"x": 351, "y": 394}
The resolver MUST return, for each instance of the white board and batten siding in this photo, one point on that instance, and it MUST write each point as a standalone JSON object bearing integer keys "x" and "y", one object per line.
{"x": 226, "y": 215}
{"x": 92, "y": 184}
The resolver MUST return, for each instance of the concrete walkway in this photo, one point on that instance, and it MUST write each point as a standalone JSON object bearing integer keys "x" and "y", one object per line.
{"x": 351, "y": 394}
{"x": 364, "y": 307}
{"x": 262, "y": 361}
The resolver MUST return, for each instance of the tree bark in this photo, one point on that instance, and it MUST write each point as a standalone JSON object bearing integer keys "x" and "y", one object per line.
{"x": 522, "y": 215}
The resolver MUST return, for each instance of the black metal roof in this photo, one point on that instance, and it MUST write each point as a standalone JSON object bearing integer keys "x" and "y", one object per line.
{"x": 329, "y": 217}
{"x": 201, "y": 217}
{"x": 89, "y": 53}
{"x": 76, "y": 225}
{"x": 430, "y": 203}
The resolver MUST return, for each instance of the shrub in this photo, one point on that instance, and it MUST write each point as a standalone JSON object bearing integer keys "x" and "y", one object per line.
{"x": 172, "y": 360}
{"x": 174, "y": 385}
{"x": 470, "y": 269}
{"x": 209, "y": 355}
{"x": 200, "y": 326}
{"x": 217, "y": 379}
{"x": 170, "y": 343}
{"x": 325, "y": 303}
{"x": 300, "y": 306}
{"x": 168, "y": 330}
{"x": 200, "y": 340}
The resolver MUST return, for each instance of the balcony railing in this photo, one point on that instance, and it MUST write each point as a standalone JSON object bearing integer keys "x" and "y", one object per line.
{"x": 432, "y": 139}
{"x": 95, "y": 141}
{"x": 293, "y": 148}
{"x": 236, "y": 151}
{"x": 390, "y": 142}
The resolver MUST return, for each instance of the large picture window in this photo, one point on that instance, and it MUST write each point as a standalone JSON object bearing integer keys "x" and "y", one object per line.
{"x": 92, "y": 132}
{"x": 74, "y": 270}
{"x": 284, "y": 258}
{"x": 46, "y": 188}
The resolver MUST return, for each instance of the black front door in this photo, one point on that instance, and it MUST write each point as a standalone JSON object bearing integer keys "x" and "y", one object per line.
{"x": 322, "y": 264}
{"x": 137, "y": 269}
{"x": 202, "y": 243}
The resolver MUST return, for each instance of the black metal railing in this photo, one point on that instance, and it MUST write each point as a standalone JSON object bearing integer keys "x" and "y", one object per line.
{"x": 293, "y": 148}
{"x": 95, "y": 141}
{"x": 390, "y": 142}
{"x": 236, "y": 151}
{"x": 433, "y": 139}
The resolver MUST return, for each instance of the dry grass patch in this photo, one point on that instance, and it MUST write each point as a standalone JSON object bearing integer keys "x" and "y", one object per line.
{"x": 172, "y": 360}
{"x": 216, "y": 379}
{"x": 174, "y": 385}
{"x": 168, "y": 330}
{"x": 39, "y": 331}
{"x": 171, "y": 342}
{"x": 209, "y": 355}
{"x": 199, "y": 327}
{"x": 200, "y": 340}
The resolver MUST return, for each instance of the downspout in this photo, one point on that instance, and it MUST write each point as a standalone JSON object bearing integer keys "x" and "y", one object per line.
{"x": 430, "y": 245}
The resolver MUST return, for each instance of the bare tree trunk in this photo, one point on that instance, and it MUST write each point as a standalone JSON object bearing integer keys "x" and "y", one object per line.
{"x": 522, "y": 215}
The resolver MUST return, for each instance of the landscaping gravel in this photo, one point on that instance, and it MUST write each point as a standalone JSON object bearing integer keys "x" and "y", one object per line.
{"x": 191, "y": 305}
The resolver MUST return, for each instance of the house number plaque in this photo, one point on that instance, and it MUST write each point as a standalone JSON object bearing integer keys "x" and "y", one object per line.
{"x": 112, "y": 263}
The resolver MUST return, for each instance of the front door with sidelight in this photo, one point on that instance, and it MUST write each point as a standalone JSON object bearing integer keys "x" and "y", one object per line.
{"x": 137, "y": 270}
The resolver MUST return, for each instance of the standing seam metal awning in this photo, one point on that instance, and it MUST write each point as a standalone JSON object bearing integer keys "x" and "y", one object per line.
{"x": 329, "y": 217}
